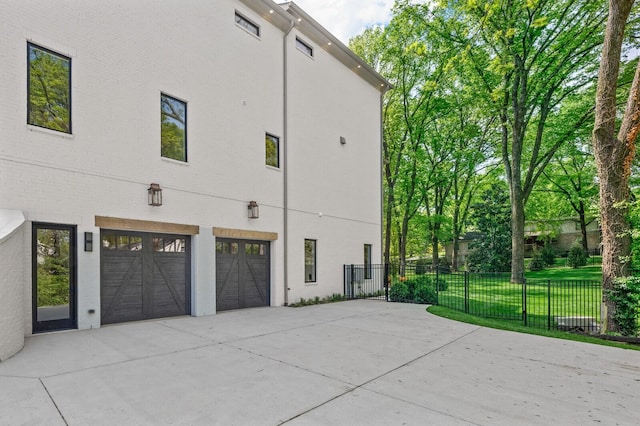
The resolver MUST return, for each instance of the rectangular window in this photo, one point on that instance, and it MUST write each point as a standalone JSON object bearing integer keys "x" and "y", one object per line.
{"x": 48, "y": 89}
{"x": 309, "y": 261}
{"x": 173, "y": 131}
{"x": 247, "y": 25}
{"x": 367, "y": 261}
{"x": 272, "y": 150}
{"x": 304, "y": 47}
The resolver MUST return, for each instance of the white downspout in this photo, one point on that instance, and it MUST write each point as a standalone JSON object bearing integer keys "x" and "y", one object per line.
{"x": 285, "y": 135}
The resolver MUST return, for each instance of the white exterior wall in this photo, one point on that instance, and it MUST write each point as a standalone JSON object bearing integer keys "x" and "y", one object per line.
{"x": 342, "y": 182}
{"x": 11, "y": 282}
{"x": 124, "y": 55}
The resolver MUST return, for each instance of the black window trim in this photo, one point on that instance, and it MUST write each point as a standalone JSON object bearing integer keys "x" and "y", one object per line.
{"x": 249, "y": 22}
{"x": 308, "y": 50}
{"x": 315, "y": 261}
{"x": 60, "y": 55}
{"x": 186, "y": 121}
{"x": 277, "y": 140}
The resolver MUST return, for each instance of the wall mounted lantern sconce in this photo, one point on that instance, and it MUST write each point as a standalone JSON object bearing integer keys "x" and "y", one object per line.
{"x": 343, "y": 140}
{"x": 88, "y": 241}
{"x": 155, "y": 195}
{"x": 253, "y": 210}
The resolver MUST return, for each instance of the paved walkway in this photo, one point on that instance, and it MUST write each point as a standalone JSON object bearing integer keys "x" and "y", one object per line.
{"x": 348, "y": 363}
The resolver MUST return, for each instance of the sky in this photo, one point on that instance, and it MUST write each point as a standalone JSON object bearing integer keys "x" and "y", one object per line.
{"x": 347, "y": 18}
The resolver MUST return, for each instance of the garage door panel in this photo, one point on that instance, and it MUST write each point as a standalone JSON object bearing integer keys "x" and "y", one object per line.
{"x": 144, "y": 276}
{"x": 242, "y": 274}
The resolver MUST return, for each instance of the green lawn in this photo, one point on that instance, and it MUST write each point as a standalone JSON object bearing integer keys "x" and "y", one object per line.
{"x": 552, "y": 293}
{"x": 519, "y": 328}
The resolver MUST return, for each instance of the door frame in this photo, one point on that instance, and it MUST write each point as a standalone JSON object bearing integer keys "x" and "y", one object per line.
{"x": 60, "y": 324}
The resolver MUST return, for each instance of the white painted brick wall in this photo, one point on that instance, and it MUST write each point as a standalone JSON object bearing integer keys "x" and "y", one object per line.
{"x": 11, "y": 286}
{"x": 124, "y": 54}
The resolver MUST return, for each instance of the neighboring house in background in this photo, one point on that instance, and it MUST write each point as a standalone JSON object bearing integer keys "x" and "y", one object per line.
{"x": 179, "y": 158}
{"x": 463, "y": 248}
{"x": 560, "y": 233}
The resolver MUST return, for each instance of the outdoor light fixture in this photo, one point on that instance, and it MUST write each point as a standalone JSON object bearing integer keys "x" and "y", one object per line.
{"x": 343, "y": 140}
{"x": 252, "y": 208}
{"x": 155, "y": 195}
{"x": 88, "y": 241}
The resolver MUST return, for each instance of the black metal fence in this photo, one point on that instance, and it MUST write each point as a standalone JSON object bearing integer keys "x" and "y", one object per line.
{"x": 549, "y": 304}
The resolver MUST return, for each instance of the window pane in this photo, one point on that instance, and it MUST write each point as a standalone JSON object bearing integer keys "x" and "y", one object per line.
{"x": 123, "y": 242}
{"x": 272, "y": 150}
{"x": 173, "y": 128}
{"x": 109, "y": 242}
{"x": 49, "y": 89}
{"x": 53, "y": 274}
{"x": 367, "y": 261}
{"x": 247, "y": 25}
{"x": 135, "y": 243}
{"x": 158, "y": 244}
{"x": 309, "y": 261}
{"x": 304, "y": 47}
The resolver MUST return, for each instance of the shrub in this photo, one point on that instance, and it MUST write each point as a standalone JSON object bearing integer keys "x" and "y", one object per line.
{"x": 626, "y": 296}
{"x": 399, "y": 292}
{"x": 576, "y": 257}
{"x": 422, "y": 266}
{"x": 442, "y": 284}
{"x": 548, "y": 255}
{"x": 425, "y": 293}
{"x": 537, "y": 262}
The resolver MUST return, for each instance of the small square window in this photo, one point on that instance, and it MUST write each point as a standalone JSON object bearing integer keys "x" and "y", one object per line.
{"x": 173, "y": 131}
{"x": 304, "y": 47}
{"x": 272, "y": 150}
{"x": 246, "y": 24}
{"x": 48, "y": 89}
{"x": 309, "y": 261}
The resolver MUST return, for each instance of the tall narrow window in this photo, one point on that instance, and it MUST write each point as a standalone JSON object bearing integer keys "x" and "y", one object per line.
{"x": 304, "y": 47}
{"x": 173, "y": 132}
{"x": 309, "y": 261}
{"x": 48, "y": 89}
{"x": 367, "y": 261}
{"x": 272, "y": 150}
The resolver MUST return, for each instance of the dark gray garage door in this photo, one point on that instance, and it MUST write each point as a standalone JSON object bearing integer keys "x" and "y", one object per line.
{"x": 242, "y": 274}
{"x": 144, "y": 275}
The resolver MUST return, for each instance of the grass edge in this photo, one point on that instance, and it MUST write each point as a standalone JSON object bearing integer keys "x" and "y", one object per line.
{"x": 454, "y": 315}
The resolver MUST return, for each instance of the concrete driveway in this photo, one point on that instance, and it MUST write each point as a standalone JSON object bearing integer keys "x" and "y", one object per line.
{"x": 348, "y": 363}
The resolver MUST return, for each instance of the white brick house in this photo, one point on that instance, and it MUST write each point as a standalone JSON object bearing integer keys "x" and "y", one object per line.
{"x": 265, "y": 106}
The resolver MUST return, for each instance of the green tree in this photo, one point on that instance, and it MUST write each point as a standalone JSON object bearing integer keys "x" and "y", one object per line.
{"x": 614, "y": 152}
{"x": 492, "y": 252}
{"x": 528, "y": 57}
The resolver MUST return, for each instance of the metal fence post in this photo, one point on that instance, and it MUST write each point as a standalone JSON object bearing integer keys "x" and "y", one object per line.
{"x": 437, "y": 285}
{"x": 548, "y": 304}
{"x": 466, "y": 292}
{"x": 524, "y": 299}
{"x": 344, "y": 279}
{"x": 386, "y": 280}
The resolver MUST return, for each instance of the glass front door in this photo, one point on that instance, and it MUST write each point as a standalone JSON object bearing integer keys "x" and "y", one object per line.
{"x": 54, "y": 277}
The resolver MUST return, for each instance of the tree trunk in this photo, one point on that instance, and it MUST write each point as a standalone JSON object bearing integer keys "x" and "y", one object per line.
{"x": 454, "y": 254}
{"x": 583, "y": 227}
{"x": 614, "y": 155}
{"x": 517, "y": 237}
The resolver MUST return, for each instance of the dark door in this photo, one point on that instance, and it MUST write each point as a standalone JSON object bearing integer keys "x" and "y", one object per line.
{"x": 242, "y": 274}
{"x": 144, "y": 276}
{"x": 54, "y": 277}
